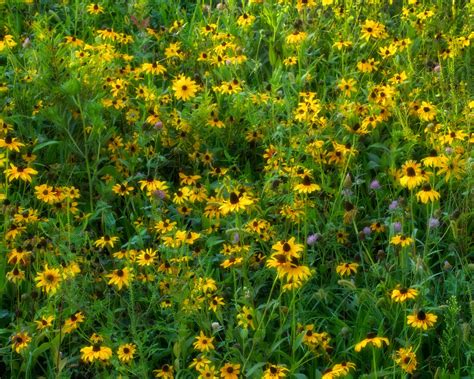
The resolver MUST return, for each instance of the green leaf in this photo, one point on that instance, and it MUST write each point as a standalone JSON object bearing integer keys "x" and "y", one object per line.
{"x": 43, "y": 145}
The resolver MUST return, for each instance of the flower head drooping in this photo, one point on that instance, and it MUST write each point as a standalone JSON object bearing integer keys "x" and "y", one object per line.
{"x": 371, "y": 339}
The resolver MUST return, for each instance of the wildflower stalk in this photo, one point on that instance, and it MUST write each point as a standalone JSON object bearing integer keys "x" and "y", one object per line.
{"x": 77, "y": 101}
{"x": 260, "y": 324}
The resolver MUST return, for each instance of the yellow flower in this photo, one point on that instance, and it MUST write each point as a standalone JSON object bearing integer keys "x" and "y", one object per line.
{"x": 146, "y": 257}
{"x": 49, "y": 279}
{"x": 427, "y": 194}
{"x": 184, "y": 88}
{"x": 20, "y": 172}
{"x": 152, "y": 68}
{"x": 20, "y": 341}
{"x": 95, "y": 9}
{"x": 165, "y": 372}
{"x": 401, "y": 240}
{"x": 72, "y": 323}
{"x": 245, "y": 20}
{"x": 426, "y": 111}
{"x": 400, "y": 295}
{"x": 235, "y": 203}
{"x": 245, "y": 317}
{"x": 406, "y": 359}
{"x": 372, "y": 339}
{"x": 126, "y": 351}
{"x": 203, "y": 343}
{"x": 347, "y": 86}
{"x": 373, "y": 29}
{"x": 44, "y": 322}
{"x": 105, "y": 241}
{"x": 306, "y": 186}
{"x": 275, "y": 372}
{"x": 422, "y": 320}
{"x": 215, "y": 303}
{"x": 120, "y": 277}
{"x": 122, "y": 189}
{"x": 96, "y": 352}
{"x": 347, "y": 268}
{"x": 16, "y": 275}
{"x": 11, "y": 143}
{"x": 230, "y": 371}
{"x": 343, "y": 368}
{"x": 411, "y": 175}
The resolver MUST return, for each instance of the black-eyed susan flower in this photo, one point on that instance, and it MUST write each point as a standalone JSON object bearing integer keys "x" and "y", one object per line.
{"x": 236, "y": 203}
{"x": 126, "y": 352}
{"x": 94, "y": 9}
{"x": 45, "y": 193}
{"x": 246, "y": 318}
{"x": 106, "y": 241}
{"x": 422, "y": 320}
{"x": 288, "y": 248}
{"x": 343, "y": 368}
{"x": 411, "y": 175}
{"x": 96, "y": 352}
{"x": 44, "y": 322}
{"x": 347, "y": 269}
{"x": 347, "y": 86}
{"x": 166, "y": 372}
{"x": 371, "y": 339}
{"x": 48, "y": 279}
{"x": 11, "y": 143}
{"x": 401, "y": 240}
{"x": 230, "y": 371}
{"x": 427, "y": 194}
{"x": 152, "y": 68}
{"x": 402, "y": 294}
{"x": 199, "y": 362}
{"x": 120, "y": 277}
{"x": 306, "y": 186}
{"x": 275, "y": 372}
{"x": 20, "y": 172}
{"x": 20, "y": 341}
{"x": 427, "y": 111}
{"x": 146, "y": 257}
{"x": 215, "y": 303}
{"x": 16, "y": 275}
{"x": 184, "y": 88}
{"x": 406, "y": 359}
{"x": 453, "y": 168}
{"x": 203, "y": 343}
{"x": 73, "y": 322}
{"x": 373, "y": 29}
{"x": 122, "y": 189}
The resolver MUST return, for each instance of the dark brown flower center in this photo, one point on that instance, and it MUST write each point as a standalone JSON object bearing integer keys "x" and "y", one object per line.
{"x": 234, "y": 199}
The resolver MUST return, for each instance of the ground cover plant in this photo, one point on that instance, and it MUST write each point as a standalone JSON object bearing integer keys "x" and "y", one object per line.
{"x": 236, "y": 189}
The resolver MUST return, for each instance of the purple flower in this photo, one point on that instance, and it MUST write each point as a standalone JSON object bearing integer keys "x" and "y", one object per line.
{"x": 367, "y": 231}
{"x": 433, "y": 223}
{"x": 393, "y": 205}
{"x": 312, "y": 239}
{"x": 397, "y": 226}
{"x": 375, "y": 185}
{"x": 236, "y": 238}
